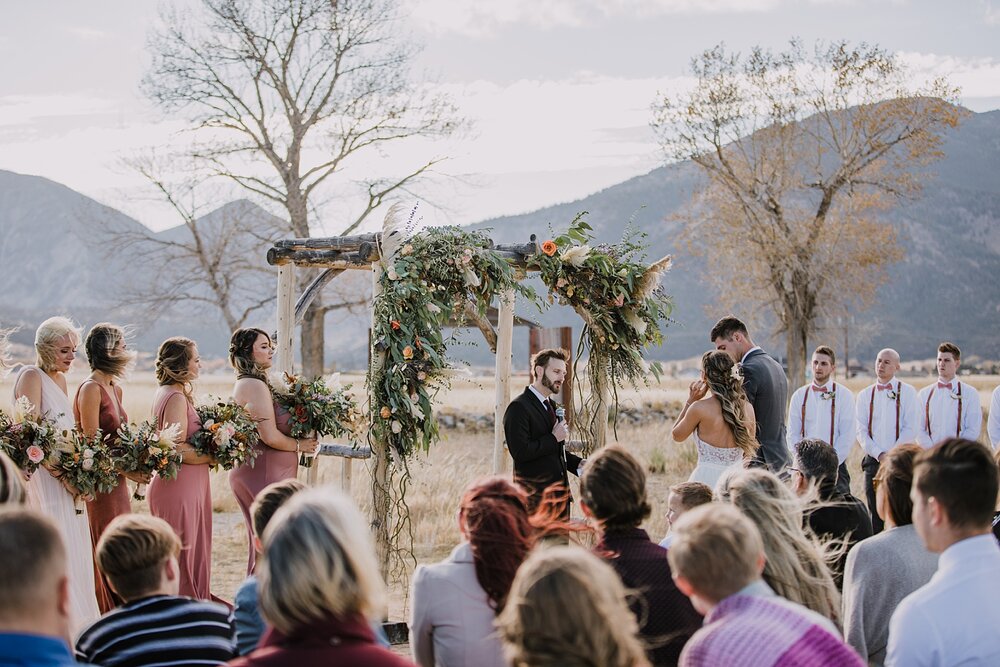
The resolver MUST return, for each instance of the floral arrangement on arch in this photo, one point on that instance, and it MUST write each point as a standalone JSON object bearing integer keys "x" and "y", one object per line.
{"x": 429, "y": 280}
{"x": 617, "y": 295}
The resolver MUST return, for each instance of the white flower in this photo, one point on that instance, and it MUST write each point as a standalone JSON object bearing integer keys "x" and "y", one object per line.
{"x": 22, "y": 409}
{"x": 576, "y": 255}
{"x": 392, "y": 273}
{"x": 88, "y": 453}
{"x": 417, "y": 412}
{"x": 433, "y": 308}
{"x": 88, "y": 464}
{"x": 737, "y": 372}
{"x": 471, "y": 279}
{"x": 396, "y": 426}
{"x": 168, "y": 435}
{"x": 635, "y": 322}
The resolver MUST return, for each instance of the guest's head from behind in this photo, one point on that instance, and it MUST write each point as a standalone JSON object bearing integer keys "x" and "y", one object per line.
{"x": 892, "y": 485}
{"x": 494, "y": 519}
{"x": 684, "y": 497}
{"x": 730, "y": 335}
{"x": 12, "y": 491}
{"x": 613, "y": 490}
{"x": 177, "y": 362}
{"x": 954, "y": 492}
{"x": 949, "y": 358}
{"x": 814, "y": 464}
{"x": 56, "y": 341}
{"x": 34, "y": 584}
{"x": 886, "y": 365}
{"x": 137, "y": 553}
{"x": 107, "y": 350}
{"x": 250, "y": 352}
{"x": 271, "y": 498}
{"x": 319, "y": 563}
{"x": 727, "y": 387}
{"x": 548, "y": 370}
{"x": 824, "y": 363}
{"x": 567, "y": 607}
{"x": 716, "y": 552}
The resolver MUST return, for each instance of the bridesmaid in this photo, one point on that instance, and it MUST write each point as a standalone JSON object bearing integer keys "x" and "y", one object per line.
{"x": 98, "y": 405}
{"x": 186, "y": 501}
{"x": 44, "y": 384}
{"x": 250, "y": 352}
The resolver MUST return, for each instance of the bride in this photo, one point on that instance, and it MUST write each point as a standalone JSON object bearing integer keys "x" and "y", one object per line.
{"x": 722, "y": 422}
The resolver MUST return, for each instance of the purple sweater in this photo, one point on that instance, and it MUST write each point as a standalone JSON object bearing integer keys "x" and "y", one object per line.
{"x": 755, "y": 627}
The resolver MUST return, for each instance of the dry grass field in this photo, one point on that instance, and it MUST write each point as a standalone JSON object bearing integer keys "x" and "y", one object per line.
{"x": 440, "y": 476}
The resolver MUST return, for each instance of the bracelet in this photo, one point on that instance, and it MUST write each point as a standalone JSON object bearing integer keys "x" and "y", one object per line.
{"x": 297, "y": 445}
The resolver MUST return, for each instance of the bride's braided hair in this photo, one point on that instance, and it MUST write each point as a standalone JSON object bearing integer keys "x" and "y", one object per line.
{"x": 727, "y": 386}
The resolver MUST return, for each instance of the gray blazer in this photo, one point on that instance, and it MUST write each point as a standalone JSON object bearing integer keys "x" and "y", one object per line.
{"x": 767, "y": 390}
{"x": 451, "y": 621}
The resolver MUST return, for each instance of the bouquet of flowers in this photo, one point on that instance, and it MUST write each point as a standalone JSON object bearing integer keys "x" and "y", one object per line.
{"x": 146, "y": 449}
{"x": 86, "y": 464}
{"x": 316, "y": 408}
{"x": 228, "y": 434}
{"x": 27, "y": 439}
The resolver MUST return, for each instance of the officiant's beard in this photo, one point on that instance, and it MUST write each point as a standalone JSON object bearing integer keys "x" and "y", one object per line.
{"x": 554, "y": 387}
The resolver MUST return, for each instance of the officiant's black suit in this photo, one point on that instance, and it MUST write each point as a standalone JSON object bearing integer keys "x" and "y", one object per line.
{"x": 539, "y": 459}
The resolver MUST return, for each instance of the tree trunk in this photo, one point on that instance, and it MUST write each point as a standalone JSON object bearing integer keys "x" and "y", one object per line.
{"x": 312, "y": 338}
{"x": 796, "y": 339}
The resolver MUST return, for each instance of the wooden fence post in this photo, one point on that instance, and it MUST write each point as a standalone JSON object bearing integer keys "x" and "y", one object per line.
{"x": 286, "y": 319}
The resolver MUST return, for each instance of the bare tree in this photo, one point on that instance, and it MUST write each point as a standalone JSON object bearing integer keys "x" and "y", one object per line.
{"x": 801, "y": 152}
{"x": 289, "y": 91}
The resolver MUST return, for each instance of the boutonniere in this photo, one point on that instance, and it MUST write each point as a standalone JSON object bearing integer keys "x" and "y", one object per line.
{"x": 891, "y": 394}
{"x": 827, "y": 395}
{"x": 955, "y": 395}
{"x": 737, "y": 372}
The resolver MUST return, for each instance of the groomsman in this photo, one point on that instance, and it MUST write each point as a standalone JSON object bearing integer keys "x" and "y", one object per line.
{"x": 948, "y": 408}
{"x": 993, "y": 425}
{"x": 824, "y": 410}
{"x": 887, "y": 416}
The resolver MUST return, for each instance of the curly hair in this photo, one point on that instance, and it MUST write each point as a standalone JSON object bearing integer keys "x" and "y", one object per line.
{"x": 241, "y": 353}
{"x": 727, "y": 388}
{"x": 172, "y": 360}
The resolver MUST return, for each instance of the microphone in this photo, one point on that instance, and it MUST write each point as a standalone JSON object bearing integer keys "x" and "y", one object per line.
{"x": 560, "y": 414}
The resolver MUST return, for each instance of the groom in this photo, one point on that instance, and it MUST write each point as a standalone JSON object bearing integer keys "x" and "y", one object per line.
{"x": 535, "y": 435}
{"x": 766, "y": 387}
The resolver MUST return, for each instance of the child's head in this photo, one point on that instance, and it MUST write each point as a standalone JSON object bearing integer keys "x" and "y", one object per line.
{"x": 685, "y": 496}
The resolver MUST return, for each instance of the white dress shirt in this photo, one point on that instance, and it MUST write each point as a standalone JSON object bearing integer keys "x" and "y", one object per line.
{"x": 993, "y": 425}
{"x": 818, "y": 414}
{"x": 953, "y": 619}
{"x": 879, "y": 404}
{"x": 943, "y": 408}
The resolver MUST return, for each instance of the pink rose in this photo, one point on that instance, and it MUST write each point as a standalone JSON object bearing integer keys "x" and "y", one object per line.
{"x": 35, "y": 454}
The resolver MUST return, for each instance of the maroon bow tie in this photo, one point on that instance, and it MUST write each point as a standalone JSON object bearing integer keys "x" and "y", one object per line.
{"x": 883, "y": 387}
{"x": 815, "y": 388}
{"x": 944, "y": 385}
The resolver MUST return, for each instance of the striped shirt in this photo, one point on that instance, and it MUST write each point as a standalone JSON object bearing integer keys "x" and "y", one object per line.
{"x": 159, "y": 631}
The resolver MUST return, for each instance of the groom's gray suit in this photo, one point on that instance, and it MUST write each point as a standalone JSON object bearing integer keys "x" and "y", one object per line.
{"x": 767, "y": 390}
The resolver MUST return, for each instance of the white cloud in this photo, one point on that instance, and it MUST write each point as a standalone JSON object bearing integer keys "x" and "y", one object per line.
{"x": 87, "y": 34}
{"x": 975, "y": 77}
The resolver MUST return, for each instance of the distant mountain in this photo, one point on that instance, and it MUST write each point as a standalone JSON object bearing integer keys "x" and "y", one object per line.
{"x": 945, "y": 288}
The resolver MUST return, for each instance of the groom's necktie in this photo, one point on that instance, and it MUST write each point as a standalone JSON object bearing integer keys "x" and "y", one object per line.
{"x": 552, "y": 410}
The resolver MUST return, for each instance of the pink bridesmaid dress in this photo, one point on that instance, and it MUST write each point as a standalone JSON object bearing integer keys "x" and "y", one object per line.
{"x": 272, "y": 465}
{"x": 185, "y": 502}
{"x": 105, "y": 506}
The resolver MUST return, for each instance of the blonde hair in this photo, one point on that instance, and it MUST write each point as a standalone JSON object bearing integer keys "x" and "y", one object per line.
{"x": 132, "y": 551}
{"x": 727, "y": 387}
{"x": 12, "y": 491}
{"x": 319, "y": 561}
{"x": 100, "y": 345}
{"x": 567, "y": 607}
{"x": 172, "y": 361}
{"x": 716, "y": 548}
{"x": 796, "y": 566}
{"x": 48, "y": 332}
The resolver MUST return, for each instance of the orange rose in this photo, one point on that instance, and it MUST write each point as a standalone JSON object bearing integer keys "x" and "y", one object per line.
{"x": 550, "y": 247}
{"x": 215, "y": 427}
{"x": 385, "y": 412}
{"x": 395, "y": 325}
{"x": 407, "y": 352}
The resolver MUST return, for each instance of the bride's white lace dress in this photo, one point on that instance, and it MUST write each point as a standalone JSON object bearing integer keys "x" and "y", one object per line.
{"x": 713, "y": 461}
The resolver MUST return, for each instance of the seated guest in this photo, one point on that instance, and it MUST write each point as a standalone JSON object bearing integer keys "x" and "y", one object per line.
{"x": 455, "y": 602}
{"x": 837, "y": 516}
{"x": 717, "y": 558}
{"x": 12, "y": 490}
{"x": 953, "y": 619}
{"x": 681, "y": 498}
{"x": 246, "y": 614}
{"x": 137, "y": 554}
{"x": 996, "y": 516}
{"x": 319, "y": 586}
{"x": 566, "y": 607}
{"x": 884, "y": 569}
{"x": 34, "y": 592}
{"x": 613, "y": 493}
{"x": 796, "y": 565}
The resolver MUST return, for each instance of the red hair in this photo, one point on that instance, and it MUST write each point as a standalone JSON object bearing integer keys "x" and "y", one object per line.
{"x": 494, "y": 514}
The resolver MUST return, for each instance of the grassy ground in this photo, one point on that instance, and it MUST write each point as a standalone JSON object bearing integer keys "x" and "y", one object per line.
{"x": 440, "y": 477}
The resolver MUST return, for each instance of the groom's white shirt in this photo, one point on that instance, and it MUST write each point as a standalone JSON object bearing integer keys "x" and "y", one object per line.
{"x": 818, "y": 415}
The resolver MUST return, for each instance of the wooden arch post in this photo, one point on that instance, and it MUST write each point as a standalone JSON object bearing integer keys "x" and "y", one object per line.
{"x": 505, "y": 337}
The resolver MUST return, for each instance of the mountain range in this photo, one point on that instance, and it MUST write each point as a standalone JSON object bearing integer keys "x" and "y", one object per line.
{"x": 53, "y": 260}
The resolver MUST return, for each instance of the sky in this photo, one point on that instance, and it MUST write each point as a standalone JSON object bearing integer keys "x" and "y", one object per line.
{"x": 557, "y": 93}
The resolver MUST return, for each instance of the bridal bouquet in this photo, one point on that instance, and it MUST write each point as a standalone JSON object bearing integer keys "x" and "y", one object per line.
{"x": 228, "y": 434}
{"x": 29, "y": 440}
{"x": 316, "y": 408}
{"x": 87, "y": 464}
{"x": 146, "y": 449}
